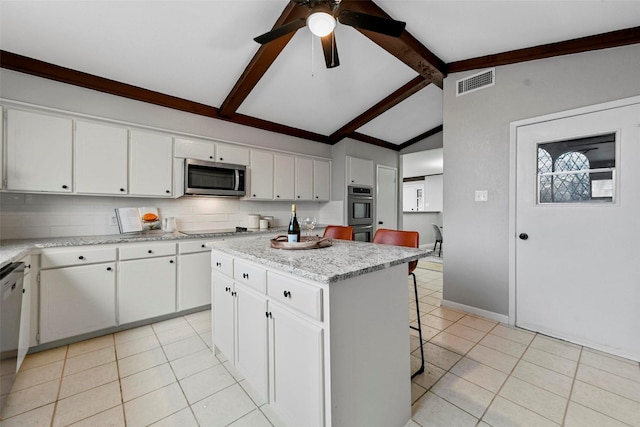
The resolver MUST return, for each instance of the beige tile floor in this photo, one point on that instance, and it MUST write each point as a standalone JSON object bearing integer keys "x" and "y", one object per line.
{"x": 478, "y": 373}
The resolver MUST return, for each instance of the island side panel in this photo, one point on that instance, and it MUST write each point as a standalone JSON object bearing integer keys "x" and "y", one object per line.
{"x": 369, "y": 342}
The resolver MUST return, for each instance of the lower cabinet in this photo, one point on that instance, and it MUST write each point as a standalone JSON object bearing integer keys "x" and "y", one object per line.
{"x": 194, "y": 276}
{"x": 77, "y": 300}
{"x": 146, "y": 288}
{"x": 278, "y": 351}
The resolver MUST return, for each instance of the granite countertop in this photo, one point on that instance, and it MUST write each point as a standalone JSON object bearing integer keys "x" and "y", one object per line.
{"x": 14, "y": 250}
{"x": 342, "y": 260}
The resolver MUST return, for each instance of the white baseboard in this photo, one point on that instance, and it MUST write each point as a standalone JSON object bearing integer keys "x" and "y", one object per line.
{"x": 503, "y": 318}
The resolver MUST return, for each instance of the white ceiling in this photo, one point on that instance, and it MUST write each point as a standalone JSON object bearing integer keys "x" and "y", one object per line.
{"x": 198, "y": 49}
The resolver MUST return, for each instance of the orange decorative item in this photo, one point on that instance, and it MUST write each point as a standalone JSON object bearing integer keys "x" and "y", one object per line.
{"x": 150, "y": 217}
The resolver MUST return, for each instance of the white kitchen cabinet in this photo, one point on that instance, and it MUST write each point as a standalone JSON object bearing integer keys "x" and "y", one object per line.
{"x": 261, "y": 175}
{"x": 296, "y": 359}
{"x": 101, "y": 153}
{"x": 284, "y": 177}
{"x": 321, "y": 180}
{"x": 194, "y": 275}
{"x": 304, "y": 178}
{"x": 25, "y": 313}
{"x": 190, "y": 149}
{"x": 76, "y": 300}
{"x": 223, "y": 317}
{"x": 150, "y": 164}
{"x": 226, "y": 153}
{"x": 359, "y": 171}
{"x": 39, "y": 152}
{"x": 413, "y": 196}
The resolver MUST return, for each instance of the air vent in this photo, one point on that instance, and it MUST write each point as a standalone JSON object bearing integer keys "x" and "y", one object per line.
{"x": 476, "y": 82}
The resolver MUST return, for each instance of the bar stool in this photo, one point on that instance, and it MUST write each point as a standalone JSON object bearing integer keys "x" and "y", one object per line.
{"x": 338, "y": 232}
{"x": 410, "y": 239}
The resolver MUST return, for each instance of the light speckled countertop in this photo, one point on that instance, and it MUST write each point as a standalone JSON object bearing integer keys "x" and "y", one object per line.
{"x": 14, "y": 250}
{"x": 340, "y": 261}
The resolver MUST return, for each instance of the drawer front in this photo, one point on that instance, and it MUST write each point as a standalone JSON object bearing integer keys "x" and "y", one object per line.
{"x": 293, "y": 293}
{"x": 250, "y": 274}
{"x": 77, "y": 255}
{"x": 193, "y": 247}
{"x": 222, "y": 263}
{"x": 147, "y": 250}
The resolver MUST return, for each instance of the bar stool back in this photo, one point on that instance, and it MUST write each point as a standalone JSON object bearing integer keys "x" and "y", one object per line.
{"x": 342, "y": 232}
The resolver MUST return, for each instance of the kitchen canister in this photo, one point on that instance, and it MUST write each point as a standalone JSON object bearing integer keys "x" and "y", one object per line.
{"x": 269, "y": 218}
{"x": 253, "y": 221}
{"x": 264, "y": 224}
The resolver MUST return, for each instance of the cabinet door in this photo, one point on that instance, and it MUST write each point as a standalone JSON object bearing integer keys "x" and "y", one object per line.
{"x": 359, "y": 171}
{"x": 223, "y": 315}
{"x": 296, "y": 353}
{"x": 251, "y": 337}
{"x": 146, "y": 288}
{"x": 150, "y": 164}
{"x": 232, "y": 154}
{"x": 77, "y": 300}
{"x": 39, "y": 153}
{"x": 283, "y": 177}
{"x": 304, "y": 179}
{"x": 321, "y": 180}
{"x": 194, "y": 280}
{"x": 261, "y": 173}
{"x": 200, "y": 150}
{"x": 25, "y": 320}
{"x": 101, "y": 159}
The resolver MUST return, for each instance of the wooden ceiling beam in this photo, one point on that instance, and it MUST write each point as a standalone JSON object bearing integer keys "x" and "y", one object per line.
{"x": 34, "y": 67}
{"x": 420, "y": 137}
{"x": 261, "y": 61}
{"x": 583, "y": 44}
{"x": 406, "y": 47}
{"x": 374, "y": 141}
{"x": 387, "y": 103}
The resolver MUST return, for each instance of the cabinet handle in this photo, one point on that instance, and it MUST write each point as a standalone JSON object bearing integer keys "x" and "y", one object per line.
{"x": 203, "y": 246}
{"x": 298, "y": 197}
{"x": 253, "y": 195}
{"x": 227, "y": 289}
{"x": 150, "y": 251}
{"x": 108, "y": 268}
{"x": 278, "y": 196}
{"x": 316, "y": 197}
{"x": 268, "y": 314}
{"x": 218, "y": 264}
{"x": 65, "y": 186}
{"x": 211, "y": 157}
{"x": 287, "y": 294}
{"x": 168, "y": 191}
{"x": 221, "y": 159}
{"x": 80, "y": 257}
{"x": 170, "y": 261}
{"x": 28, "y": 266}
{"x": 245, "y": 275}
{"x": 233, "y": 294}
{"x": 122, "y": 189}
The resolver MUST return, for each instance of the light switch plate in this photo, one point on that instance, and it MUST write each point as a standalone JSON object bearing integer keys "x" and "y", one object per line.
{"x": 482, "y": 196}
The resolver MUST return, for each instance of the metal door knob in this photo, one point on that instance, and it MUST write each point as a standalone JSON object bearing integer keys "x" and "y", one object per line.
{"x": 523, "y": 236}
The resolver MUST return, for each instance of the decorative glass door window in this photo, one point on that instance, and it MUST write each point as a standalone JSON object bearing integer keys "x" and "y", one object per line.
{"x": 580, "y": 170}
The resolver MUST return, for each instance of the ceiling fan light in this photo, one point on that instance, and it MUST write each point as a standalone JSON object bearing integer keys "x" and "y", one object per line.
{"x": 321, "y": 23}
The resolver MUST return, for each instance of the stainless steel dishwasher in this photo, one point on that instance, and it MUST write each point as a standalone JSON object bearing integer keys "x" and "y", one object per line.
{"x": 10, "y": 307}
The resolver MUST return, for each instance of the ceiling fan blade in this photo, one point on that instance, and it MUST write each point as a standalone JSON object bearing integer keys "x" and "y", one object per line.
{"x": 281, "y": 31}
{"x": 387, "y": 26}
{"x": 330, "y": 50}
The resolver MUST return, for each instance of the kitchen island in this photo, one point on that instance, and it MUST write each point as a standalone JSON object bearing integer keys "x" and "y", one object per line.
{"x": 320, "y": 335}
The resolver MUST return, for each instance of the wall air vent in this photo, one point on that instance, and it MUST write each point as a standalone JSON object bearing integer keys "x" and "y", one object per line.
{"x": 476, "y": 82}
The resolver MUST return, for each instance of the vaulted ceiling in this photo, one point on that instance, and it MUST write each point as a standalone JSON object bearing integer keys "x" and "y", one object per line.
{"x": 199, "y": 56}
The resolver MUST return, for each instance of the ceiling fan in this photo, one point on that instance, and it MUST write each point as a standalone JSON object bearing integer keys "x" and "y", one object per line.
{"x": 321, "y": 21}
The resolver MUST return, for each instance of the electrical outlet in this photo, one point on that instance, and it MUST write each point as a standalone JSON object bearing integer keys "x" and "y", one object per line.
{"x": 114, "y": 220}
{"x": 481, "y": 196}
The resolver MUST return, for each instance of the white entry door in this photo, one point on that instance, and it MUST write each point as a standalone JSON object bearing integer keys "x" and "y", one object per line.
{"x": 578, "y": 229}
{"x": 387, "y": 197}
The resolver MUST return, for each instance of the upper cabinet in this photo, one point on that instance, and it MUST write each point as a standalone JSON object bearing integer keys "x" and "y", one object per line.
{"x": 261, "y": 175}
{"x": 321, "y": 180}
{"x": 150, "y": 164}
{"x": 39, "y": 152}
{"x": 359, "y": 171}
{"x": 210, "y": 151}
{"x": 283, "y": 177}
{"x": 304, "y": 178}
{"x": 101, "y": 159}
{"x": 227, "y": 153}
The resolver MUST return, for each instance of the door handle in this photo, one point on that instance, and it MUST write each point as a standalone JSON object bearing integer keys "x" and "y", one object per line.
{"x": 523, "y": 236}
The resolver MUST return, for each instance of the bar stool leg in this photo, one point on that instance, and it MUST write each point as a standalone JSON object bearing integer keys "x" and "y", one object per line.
{"x": 419, "y": 329}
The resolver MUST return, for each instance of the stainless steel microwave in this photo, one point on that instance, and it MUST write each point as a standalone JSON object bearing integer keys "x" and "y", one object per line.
{"x": 203, "y": 178}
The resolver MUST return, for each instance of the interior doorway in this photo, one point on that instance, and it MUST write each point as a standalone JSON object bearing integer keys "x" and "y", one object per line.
{"x": 386, "y": 197}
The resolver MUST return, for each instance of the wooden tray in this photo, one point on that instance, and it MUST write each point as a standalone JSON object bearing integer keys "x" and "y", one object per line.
{"x": 281, "y": 242}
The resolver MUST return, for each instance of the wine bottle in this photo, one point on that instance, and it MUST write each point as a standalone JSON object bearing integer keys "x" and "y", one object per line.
{"x": 293, "y": 232}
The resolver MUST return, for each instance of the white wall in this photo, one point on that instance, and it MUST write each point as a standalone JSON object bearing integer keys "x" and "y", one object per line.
{"x": 476, "y": 157}
{"x": 43, "y": 215}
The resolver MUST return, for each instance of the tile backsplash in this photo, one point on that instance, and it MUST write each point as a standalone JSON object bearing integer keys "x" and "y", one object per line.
{"x": 50, "y": 215}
